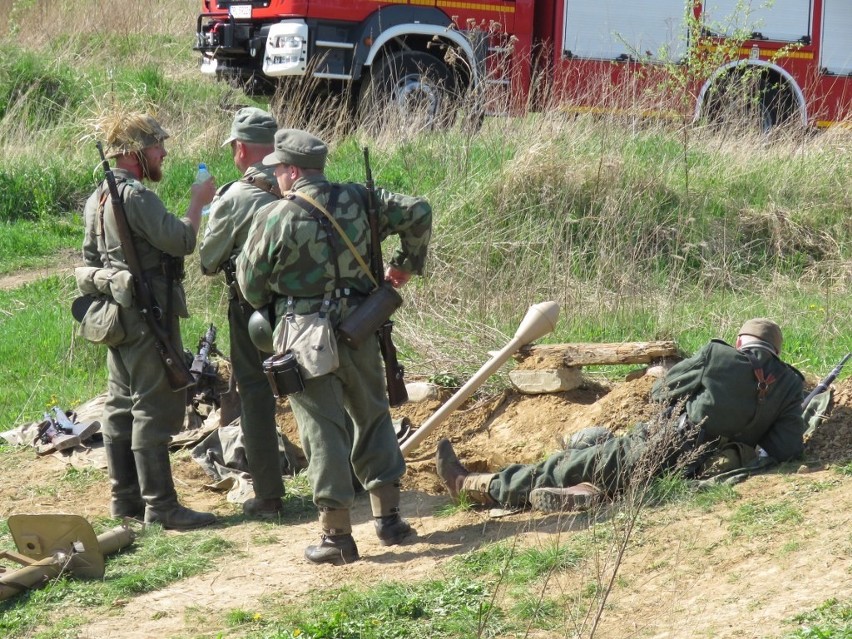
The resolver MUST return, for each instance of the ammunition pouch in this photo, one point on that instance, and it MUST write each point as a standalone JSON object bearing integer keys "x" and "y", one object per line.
{"x": 283, "y": 374}
{"x": 101, "y": 322}
{"x": 369, "y": 315}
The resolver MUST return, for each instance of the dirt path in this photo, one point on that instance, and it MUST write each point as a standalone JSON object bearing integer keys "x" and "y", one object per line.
{"x": 686, "y": 572}
{"x": 64, "y": 262}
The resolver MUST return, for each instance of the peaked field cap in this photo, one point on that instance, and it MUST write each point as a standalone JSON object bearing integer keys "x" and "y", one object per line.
{"x": 298, "y": 148}
{"x": 252, "y": 125}
{"x": 764, "y": 329}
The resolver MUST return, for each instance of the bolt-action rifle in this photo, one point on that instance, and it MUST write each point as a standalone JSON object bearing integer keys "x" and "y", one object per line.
{"x": 177, "y": 372}
{"x": 826, "y": 382}
{"x": 394, "y": 371}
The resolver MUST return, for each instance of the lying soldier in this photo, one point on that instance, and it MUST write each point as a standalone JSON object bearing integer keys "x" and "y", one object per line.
{"x": 741, "y": 402}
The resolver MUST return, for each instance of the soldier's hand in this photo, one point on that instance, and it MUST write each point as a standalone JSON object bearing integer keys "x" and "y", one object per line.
{"x": 397, "y": 277}
{"x": 203, "y": 193}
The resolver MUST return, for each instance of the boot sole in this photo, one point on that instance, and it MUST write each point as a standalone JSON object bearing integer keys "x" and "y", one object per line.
{"x": 554, "y": 500}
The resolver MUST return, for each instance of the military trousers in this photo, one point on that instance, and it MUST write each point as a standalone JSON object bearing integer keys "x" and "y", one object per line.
{"x": 257, "y": 407}
{"x": 331, "y": 442}
{"x": 607, "y": 465}
{"x": 140, "y": 406}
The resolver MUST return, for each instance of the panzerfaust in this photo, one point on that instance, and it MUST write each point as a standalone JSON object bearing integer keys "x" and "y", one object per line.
{"x": 49, "y": 545}
{"x": 539, "y": 321}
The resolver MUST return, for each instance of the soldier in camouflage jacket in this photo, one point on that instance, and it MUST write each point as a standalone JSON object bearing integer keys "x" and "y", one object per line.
{"x": 296, "y": 260}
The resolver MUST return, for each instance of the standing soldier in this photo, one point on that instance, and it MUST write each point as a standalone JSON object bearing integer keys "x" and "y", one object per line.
{"x": 231, "y": 214}
{"x": 308, "y": 254}
{"x": 141, "y": 411}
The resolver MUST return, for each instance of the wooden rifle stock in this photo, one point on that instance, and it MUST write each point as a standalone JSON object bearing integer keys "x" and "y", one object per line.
{"x": 177, "y": 372}
{"x": 394, "y": 371}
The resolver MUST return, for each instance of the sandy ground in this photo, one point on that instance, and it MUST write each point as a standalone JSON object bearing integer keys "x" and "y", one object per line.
{"x": 684, "y": 573}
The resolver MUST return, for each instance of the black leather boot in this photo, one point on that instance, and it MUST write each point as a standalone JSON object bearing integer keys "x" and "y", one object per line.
{"x": 269, "y": 509}
{"x": 333, "y": 549}
{"x": 158, "y": 490}
{"x": 124, "y": 484}
{"x": 337, "y": 546}
{"x": 391, "y": 529}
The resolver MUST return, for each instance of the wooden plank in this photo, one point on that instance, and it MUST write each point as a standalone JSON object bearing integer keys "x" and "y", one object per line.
{"x": 549, "y": 355}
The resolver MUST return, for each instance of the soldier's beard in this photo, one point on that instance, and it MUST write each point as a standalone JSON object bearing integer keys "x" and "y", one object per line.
{"x": 149, "y": 172}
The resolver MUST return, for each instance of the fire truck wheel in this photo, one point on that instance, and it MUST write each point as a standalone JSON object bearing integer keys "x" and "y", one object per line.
{"x": 409, "y": 88}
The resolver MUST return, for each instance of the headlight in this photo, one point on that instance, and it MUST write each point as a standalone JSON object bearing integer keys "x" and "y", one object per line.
{"x": 287, "y": 42}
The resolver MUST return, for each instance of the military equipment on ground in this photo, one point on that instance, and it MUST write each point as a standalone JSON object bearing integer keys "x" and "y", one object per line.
{"x": 826, "y": 382}
{"x": 177, "y": 372}
{"x": 539, "y": 320}
{"x": 50, "y": 545}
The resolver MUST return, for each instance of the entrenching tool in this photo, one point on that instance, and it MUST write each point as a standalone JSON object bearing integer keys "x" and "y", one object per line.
{"x": 49, "y": 545}
{"x": 539, "y": 321}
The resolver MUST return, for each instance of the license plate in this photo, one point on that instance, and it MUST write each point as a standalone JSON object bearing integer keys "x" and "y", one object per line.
{"x": 240, "y": 11}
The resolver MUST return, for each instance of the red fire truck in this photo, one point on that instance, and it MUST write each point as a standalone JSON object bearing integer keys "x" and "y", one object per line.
{"x": 582, "y": 55}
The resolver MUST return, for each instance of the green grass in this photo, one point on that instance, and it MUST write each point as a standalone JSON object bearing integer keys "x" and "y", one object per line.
{"x": 452, "y": 608}
{"x": 831, "y": 620}
{"x": 753, "y": 520}
{"x": 153, "y": 561}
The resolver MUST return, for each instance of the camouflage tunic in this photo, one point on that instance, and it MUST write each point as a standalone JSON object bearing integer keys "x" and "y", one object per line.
{"x": 720, "y": 389}
{"x": 231, "y": 215}
{"x": 140, "y": 404}
{"x": 291, "y": 252}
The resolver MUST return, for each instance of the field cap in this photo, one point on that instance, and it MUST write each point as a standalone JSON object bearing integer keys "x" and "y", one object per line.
{"x": 252, "y": 125}
{"x": 763, "y": 329}
{"x": 131, "y": 132}
{"x": 298, "y": 148}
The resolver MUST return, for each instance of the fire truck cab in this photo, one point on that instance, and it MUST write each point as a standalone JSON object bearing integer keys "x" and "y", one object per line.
{"x": 605, "y": 55}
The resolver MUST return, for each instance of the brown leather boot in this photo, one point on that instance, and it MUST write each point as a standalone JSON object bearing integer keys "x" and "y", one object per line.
{"x": 449, "y": 468}
{"x": 458, "y": 479}
{"x": 555, "y": 500}
{"x": 336, "y": 547}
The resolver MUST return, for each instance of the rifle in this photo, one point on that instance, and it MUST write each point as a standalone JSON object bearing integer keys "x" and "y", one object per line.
{"x": 201, "y": 363}
{"x": 394, "y": 371}
{"x": 177, "y": 373}
{"x": 825, "y": 383}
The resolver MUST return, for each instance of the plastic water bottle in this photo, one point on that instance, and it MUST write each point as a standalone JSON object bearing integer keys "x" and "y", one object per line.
{"x": 202, "y": 176}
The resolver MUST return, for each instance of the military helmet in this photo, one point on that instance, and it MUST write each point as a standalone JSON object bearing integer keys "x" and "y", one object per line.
{"x": 130, "y": 132}
{"x": 260, "y": 330}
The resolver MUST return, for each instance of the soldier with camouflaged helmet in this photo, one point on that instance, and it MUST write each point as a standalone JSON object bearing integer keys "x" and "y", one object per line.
{"x": 741, "y": 402}
{"x": 141, "y": 411}
{"x": 296, "y": 260}
{"x": 231, "y": 214}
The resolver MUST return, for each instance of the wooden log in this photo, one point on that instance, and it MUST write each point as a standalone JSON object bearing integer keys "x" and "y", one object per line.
{"x": 537, "y": 356}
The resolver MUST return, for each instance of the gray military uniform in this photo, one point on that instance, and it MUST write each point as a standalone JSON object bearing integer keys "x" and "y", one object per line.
{"x": 720, "y": 387}
{"x": 231, "y": 214}
{"x": 140, "y": 405}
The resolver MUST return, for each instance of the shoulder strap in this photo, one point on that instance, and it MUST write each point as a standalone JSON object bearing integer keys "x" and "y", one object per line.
{"x": 763, "y": 381}
{"x": 307, "y": 198}
{"x": 262, "y": 184}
